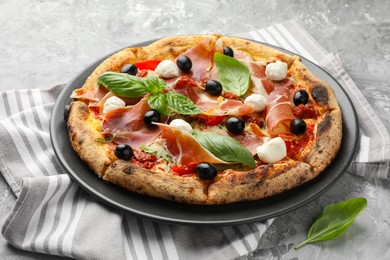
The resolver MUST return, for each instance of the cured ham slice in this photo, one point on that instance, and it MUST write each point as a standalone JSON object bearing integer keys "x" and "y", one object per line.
{"x": 91, "y": 94}
{"x": 137, "y": 138}
{"x": 249, "y": 141}
{"x": 126, "y": 119}
{"x": 127, "y": 125}
{"x": 279, "y": 111}
{"x": 201, "y": 56}
{"x": 184, "y": 147}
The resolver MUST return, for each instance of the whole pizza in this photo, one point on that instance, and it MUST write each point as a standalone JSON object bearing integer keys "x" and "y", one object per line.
{"x": 205, "y": 119}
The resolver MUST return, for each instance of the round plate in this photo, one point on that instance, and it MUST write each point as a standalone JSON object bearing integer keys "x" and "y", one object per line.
{"x": 173, "y": 212}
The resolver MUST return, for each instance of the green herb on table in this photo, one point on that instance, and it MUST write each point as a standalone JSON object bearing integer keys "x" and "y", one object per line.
{"x": 126, "y": 85}
{"x": 334, "y": 220}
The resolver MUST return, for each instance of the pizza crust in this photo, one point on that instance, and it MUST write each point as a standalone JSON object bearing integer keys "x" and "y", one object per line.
{"x": 264, "y": 181}
{"x": 84, "y": 132}
{"x": 186, "y": 189}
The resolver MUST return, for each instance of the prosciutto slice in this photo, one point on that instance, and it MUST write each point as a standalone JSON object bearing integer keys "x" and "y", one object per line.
{"x": 127, "y": 125}
{"x": 184, "y": 147}
{"x": 201, "y": 56}
{"x": 91, "y": 94}
{"x": 279, "y": 111}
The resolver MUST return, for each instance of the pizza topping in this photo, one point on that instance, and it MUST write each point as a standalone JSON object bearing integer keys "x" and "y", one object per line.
{"x": 258, "y": 102}
{"x": 91, "y": 94}
{"x": 147, "y": 65}
{"x": 279, "y": 111}
{"x": 272, "y": 151}
{"x": 124, "y": 151}
{"x": 301, "y": 97}
{"x": 181, "y": 124}
{"x": 235, "y": 125}
{"x": 113, "y": 103}
{"x": 234, "y": 75}
{"x": 298, "y": 126}
{"x": 123, "y": 84}
{"x": 276, "y": 70}
{"x": 129, "y": 69}
{"x": 228, "y": 51}
{"x": 249, "y": 141}
{"x": 206, "y": 171}
{"x": 305, "y": 111}
{"x": 213, "y": 87}
{"x": 178, "y": 142}
{"x": 184, "y": 63}
{"x": 151, "y": 117}
{"x": 167, "y": 69}
{"x": 184, "y": 169}
{"x": 225, "y": 148}
{"x": 211, "y": 120}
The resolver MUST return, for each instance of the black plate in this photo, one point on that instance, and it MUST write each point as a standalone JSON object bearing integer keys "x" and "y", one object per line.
{"x": 173, "y": 212}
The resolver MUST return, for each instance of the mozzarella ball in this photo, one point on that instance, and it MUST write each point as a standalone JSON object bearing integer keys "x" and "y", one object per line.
{"x": 258, "y": 102}
{"x": 276, "y": 70}
{"x": 272, "y": 151}
{"x": 113, "y": 103}
{"x": 167, "y": 69}
{"x": 182, "y": 125}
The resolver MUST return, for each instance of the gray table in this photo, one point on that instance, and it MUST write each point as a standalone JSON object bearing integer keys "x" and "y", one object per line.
{"x": 46, "y": 42}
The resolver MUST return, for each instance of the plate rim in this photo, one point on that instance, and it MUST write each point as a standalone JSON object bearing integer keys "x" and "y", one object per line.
{"x": 174, "y": 220}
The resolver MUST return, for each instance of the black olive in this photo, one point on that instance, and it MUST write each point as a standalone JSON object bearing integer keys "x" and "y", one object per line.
{"x": 301, "y": 97}
{"x": 150, "y": 117}
{"x": 298, "y": 126}
{"x": 228, "y": 51}
{"x": 130, "y": 69}
{"x": 184, "y": 63}
{"x": 124, "y": 151}
{"x": 66, "y": 112}
{"x": 213, "y": 87}
{"x": 235, "y": 125}
{"x": 206, "y": 171}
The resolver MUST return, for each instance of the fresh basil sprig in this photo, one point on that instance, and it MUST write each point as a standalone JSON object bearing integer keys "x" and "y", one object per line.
{"x": 225, "y": 148}
{"x": 234, "y": 75}
{"x": 126, "y": 85}
{"x": 334, "y": 220}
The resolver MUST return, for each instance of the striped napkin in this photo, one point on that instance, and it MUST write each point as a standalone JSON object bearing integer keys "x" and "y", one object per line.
{"x": 52, "y": 215}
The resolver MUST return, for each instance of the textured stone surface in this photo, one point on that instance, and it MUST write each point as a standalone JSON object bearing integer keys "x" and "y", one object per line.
{"x": 47, "y": 42}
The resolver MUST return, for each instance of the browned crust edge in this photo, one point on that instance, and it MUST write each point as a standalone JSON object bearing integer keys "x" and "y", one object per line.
{"x": 161, "y": 185}
{"x": 259, "y": 183}
{"x": 83, "y": 136}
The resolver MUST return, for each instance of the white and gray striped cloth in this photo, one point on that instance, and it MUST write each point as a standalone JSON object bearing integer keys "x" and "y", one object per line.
{"x": 52, "y": 215}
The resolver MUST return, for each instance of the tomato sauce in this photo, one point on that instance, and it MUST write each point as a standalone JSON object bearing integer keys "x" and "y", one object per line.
{"x": 144, "y": 160}
{"x": 294, "y": 146}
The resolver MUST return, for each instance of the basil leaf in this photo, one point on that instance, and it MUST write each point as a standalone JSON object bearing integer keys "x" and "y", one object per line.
{"x": 225, "y": 148}
{"x": 234, "y": 75}
{"x": 123, "y": 84}
{"x": 154, "y": 85}
{"x": 159, "y": 103}
{"x": 334, "y": 220}
{"x": 181, "y": 104}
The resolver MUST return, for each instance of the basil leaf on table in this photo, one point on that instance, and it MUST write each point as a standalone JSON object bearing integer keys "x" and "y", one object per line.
{"x": 159, "y": 103}
{"x": 225, "y": 148}
{"x": 181, "y": 104}
{"x": 334, "y": 220}
{"x": 154, "y": 85}
{"x": 123, "y": 84}
{"x": 234, "y": 75}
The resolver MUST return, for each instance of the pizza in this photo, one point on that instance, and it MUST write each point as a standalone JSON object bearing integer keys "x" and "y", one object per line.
{"x": 204, "y": 119}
